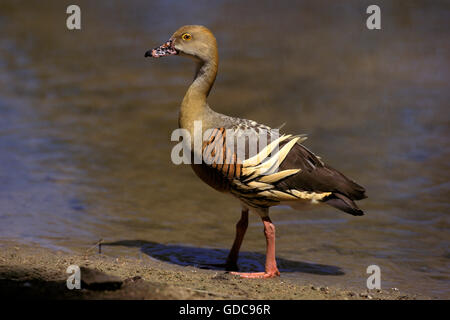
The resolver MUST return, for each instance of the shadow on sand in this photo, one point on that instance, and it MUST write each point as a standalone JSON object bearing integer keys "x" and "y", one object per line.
{"x": 213, "y": 259}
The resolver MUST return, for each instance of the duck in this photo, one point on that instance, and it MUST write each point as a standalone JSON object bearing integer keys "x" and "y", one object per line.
{"x": 281, "y": 170}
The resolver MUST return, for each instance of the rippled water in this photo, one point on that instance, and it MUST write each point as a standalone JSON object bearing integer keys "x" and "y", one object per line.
{"x": 85, "y": 123}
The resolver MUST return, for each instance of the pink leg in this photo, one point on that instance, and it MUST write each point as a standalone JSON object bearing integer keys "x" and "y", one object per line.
{"x": 271, "y": 269}
{"x": 241, "y": 228}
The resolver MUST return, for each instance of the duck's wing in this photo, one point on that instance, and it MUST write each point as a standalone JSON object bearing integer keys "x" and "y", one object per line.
{"x": 278, "y": 169}
{"x": 316, "y": 176}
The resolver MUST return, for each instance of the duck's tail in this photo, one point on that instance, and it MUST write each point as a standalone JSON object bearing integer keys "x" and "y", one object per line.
{"x": 341, "y": 202}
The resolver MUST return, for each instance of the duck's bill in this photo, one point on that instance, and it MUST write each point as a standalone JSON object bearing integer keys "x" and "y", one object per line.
{"x": 165, "y": 49}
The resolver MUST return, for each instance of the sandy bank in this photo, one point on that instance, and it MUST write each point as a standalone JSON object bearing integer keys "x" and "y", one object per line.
{"x": 34, "y": 272}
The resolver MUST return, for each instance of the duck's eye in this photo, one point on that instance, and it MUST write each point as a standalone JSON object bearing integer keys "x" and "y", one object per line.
{"x": 186, "y": 36}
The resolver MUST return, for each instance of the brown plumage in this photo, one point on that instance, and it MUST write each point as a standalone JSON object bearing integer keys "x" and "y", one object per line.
{"x": 280, "y": 170}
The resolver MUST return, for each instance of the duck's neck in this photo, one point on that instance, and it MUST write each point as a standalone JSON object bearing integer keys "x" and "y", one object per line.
{"x": 194, "y": 106}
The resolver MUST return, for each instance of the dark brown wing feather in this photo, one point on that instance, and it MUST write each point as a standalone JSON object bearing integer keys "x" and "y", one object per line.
{"x": 318, "y": 177}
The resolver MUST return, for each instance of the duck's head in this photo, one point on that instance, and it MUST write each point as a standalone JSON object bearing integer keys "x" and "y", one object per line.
{"x": 193, "y": 41}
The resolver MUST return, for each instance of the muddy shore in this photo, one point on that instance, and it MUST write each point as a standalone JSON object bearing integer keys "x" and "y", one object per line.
{"x": 33, "y": 272}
